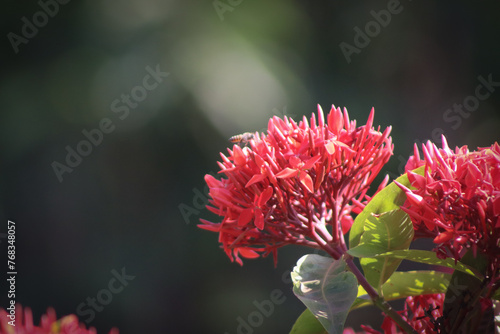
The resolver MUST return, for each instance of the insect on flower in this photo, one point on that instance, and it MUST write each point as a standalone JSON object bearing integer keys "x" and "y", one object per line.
{"x": 271, "y": 194}
{"x": 242, "y": 138}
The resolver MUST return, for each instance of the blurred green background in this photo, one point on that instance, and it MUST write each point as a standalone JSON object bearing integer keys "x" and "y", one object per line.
{"x": 231, "y": 66}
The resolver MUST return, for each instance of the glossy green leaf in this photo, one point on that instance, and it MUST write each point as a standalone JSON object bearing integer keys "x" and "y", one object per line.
{"x": 307, "y": 323}
{"x": 389, "y": 198}
{"x": 326, "y": 288}
{"x": 429, "y": 257}
{"x": 408, "y": 283}
{"x": 392, "y": 230}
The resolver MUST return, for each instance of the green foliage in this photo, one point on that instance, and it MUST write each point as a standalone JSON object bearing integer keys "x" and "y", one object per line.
{"x": 327, "y": 290}
{"x": 409, "y": 283}
{"x": 388, "y": 199}
{"x": 428, "y": 257}
{"x": 307, "y": 323}
{"x": 388, "y": 231}
{"x": 380, "y": 237}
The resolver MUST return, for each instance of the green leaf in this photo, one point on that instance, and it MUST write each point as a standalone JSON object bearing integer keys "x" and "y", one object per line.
{"x": 327, "y": 290}
{"x": 408, "y": 283}
{"x": 392, "y": 230}
{"x": 389, "y": 198}
{"x": 429, "y": 257}
{"x": 307, "y": 324}
{"x": 463, "y": 294}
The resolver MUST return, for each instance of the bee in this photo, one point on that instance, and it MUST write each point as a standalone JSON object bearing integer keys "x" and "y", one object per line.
{"x": 243, "y": 138}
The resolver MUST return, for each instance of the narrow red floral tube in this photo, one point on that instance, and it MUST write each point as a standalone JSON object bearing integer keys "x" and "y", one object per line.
{"x": 296, "y": 184}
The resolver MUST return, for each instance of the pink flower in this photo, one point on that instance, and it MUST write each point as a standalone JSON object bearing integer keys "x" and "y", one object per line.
{"x": 296, "y": 184}
{"x": 48, "y": 324}
{"x": 457, "y": 201}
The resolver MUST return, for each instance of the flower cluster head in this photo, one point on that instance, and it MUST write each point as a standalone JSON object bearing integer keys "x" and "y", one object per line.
{"x": 295, "y": 184}
{"x": 424, "y": 313}
{"x": 48, "y": 323}
{"x": 457, "y": 201}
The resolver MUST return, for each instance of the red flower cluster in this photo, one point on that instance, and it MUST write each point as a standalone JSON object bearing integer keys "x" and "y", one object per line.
{"x": 457, "y": 201}
{"x": 48, "y": 324}
{"x": 297, "y": 184}
{"x": 424, "y": 313}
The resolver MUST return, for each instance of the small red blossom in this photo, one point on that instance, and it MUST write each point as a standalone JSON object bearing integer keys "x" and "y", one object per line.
{"x": 296, "y": 184}
{"x": 457, "y": 201}
{"x": 424, "y": 313}
{"x": 48, "y": 323}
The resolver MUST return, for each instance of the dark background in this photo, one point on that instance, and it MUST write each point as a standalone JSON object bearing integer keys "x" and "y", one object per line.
{"x": 228, "y": 73}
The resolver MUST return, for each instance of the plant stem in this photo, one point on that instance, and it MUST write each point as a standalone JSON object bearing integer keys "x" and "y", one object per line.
{"x": 376, "y": 299}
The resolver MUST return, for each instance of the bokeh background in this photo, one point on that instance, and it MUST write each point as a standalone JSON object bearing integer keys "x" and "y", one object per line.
{"x": 231, "y": 66}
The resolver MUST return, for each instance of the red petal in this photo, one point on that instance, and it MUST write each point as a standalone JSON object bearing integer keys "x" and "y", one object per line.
{"x": 320, "y": 174}
{"x": 346, "y": 223}
{"x": 259, "y": 219}
{"x": 310, "y": 163}
{"x": 335, "y": 120}
{"x": 321, "y": 117}
{"x": 258, "y": 160}
{"x": 220, "y": 193}
{"x": 287, "y": 173}
{"x": 473, "y": 175}
{"x": 212, "y": 227}
{"x": 239, "y": 156}
{"x": 443, "y": 237}
{"x": 369, "y": 122}
{"x": 212, "y": 181}
{"x": 245, "y": 216}
{"x": 256, "y": 178}
{"x": 306, "y": 180}
{"x": 416, "y": 180}
{"x": 330, "y": 148}
{"x": 295, "y": 162}
{"x": 414, "y": 199}
{"x": 247, "y": 252}
{"x": 265, "y": 196}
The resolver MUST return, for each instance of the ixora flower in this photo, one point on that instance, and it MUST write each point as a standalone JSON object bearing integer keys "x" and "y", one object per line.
{"x": 424, "y": 313}
{"x": 296, "y": 184}
{"x": 48, "y": 323}
{"x": 457, "y": 201}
